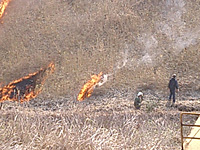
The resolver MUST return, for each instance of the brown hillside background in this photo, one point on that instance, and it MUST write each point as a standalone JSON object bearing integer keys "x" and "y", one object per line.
{"x": 154, "y": 39}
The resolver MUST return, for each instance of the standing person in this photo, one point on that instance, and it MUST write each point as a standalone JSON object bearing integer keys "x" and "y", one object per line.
{"x": 173, "y": 85}
{"x": 138, "y": 100}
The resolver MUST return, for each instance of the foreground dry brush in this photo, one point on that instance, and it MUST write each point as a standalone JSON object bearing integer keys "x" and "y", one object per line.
{"x": 89, "y": 125}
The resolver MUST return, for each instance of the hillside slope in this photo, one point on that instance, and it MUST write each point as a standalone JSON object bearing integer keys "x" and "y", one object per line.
{"x": 140, "y": 42}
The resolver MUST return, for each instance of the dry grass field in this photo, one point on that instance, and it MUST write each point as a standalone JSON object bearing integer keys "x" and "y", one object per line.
{"x": 141, "y": 43}
{"x": 97, "y": 123}
{"x": 154, "y": 39}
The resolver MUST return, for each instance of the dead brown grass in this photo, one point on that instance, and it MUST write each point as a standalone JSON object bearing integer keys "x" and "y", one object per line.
{"x": 85, "y": 37}
{"x": 94, "y": 124}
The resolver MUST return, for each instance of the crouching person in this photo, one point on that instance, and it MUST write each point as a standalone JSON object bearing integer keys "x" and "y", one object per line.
{"x": 138, "y": 100}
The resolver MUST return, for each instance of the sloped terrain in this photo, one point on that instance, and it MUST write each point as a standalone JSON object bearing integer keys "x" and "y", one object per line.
{"x": 141, "y": 43}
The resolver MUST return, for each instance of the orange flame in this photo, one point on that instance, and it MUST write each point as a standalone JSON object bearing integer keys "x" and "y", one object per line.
{"x": 88, "y": 88}
{"x": 3, "y": 6}
{"x": 27, "y": 87}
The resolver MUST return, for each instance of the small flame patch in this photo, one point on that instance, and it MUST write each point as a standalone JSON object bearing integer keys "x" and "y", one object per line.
{"x": 3, "y": 6}
{"x": 88, "y": 87}
{"x": 27, "y": 87}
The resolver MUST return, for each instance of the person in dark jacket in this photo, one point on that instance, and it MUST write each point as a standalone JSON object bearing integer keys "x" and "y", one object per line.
{"x": 173, "y": 85}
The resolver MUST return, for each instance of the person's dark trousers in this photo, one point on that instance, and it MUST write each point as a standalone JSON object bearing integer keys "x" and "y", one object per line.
{"x": 172, "y": 93}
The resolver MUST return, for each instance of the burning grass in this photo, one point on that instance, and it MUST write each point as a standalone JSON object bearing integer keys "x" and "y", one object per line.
{"x": 88, "y": 87}
{"x": 85, "y": 37}
{"x": 3, "y": 6}
{"x": 27, "y": 87}
{"x": 99, "y": 31}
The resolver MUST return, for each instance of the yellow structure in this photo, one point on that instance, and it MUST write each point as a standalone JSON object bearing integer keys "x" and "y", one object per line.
{"x": 192, "y": 141}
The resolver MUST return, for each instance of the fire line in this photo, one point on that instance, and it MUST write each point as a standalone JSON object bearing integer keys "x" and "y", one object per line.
{"x": 3, "y": 6}
{"x": 88, "y": 87}
{"x": 27, "y": 87}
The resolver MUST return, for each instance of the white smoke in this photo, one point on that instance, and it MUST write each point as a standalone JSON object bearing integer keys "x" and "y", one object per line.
{"x": 147, "y": 59}
{"x": 150, "y": 46}
{"x": 104, "y": 79}
{"x": 175, "y": 27}
{"x": 149, "y": 42}
{"x": 119, "y": 65}
{"x": 122, "y": 64}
